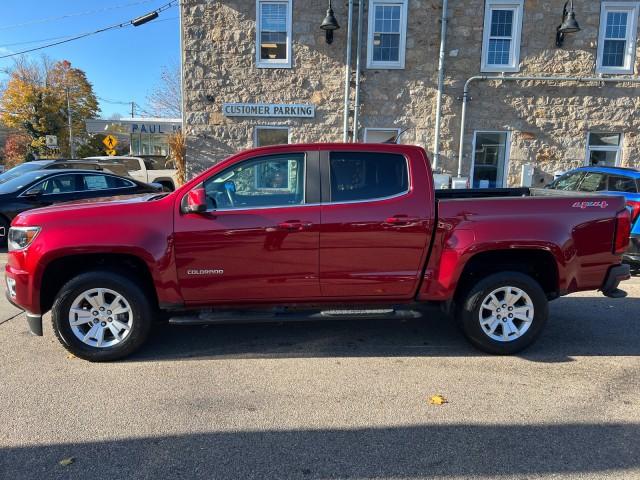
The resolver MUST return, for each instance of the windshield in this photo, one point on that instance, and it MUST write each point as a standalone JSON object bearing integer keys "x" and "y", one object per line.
{"x": 14, "y": 184}
{"x": 19, "y": 170}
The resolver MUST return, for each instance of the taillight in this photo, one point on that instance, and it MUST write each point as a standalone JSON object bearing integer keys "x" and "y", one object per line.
{"x": 623, "y": 230}
{"x": 635, "y": 210}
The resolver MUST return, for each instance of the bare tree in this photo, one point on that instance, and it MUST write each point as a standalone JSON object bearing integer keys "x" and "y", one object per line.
{"x": 165, "y": 99}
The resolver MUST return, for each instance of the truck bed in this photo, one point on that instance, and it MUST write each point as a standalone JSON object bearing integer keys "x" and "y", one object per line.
{"x": 452, "y": 194}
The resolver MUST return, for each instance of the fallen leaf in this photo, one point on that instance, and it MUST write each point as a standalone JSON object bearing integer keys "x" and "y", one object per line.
{"x": 438, "y": 400}
{"x": 71, "y": 356}
{"x": 65, "y": 462}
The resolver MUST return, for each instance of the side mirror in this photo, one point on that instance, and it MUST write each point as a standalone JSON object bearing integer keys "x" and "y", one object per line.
{"x": 158, "y": 186}
{"x": 195, "y": 201}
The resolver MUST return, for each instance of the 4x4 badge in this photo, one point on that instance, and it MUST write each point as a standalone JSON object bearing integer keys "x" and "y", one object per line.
{"x": 583, "y": 205}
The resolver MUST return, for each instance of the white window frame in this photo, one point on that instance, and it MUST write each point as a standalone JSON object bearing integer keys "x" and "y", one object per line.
{"x": 274, "y": 63}
{"x": 377, "y": 129}
{"x": 270, "y": 127}
{"x": 379, "y": 65}
{"x": 514, "y": 52}
{"x": 631, "y": 8}
{"x": 604, "y": 148}
{"x": 507, "y": 155}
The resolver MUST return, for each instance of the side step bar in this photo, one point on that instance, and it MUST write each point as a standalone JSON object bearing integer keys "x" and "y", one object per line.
{"x": 221, "y": 317}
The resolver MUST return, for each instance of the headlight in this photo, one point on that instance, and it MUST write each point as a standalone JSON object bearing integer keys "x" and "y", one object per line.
{"x": 21, "y": 237}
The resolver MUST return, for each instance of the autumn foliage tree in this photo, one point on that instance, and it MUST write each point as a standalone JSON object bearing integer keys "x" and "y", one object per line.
{"x": 34, "y": 101}
{"x": 15, "y": 148}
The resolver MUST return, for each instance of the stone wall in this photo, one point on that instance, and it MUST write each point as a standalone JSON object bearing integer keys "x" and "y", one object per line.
{"x": 548, "y": 121}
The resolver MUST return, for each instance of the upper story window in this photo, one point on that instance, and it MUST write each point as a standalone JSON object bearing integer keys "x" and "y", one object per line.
{"x": 617, "y": 40}
{"x": 387, "y": 34}
{"x": 501, "y": 37}
{"x": 273, "y": 34}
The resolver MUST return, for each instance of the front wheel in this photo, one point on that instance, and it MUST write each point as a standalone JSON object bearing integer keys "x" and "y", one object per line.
{"x": 101, "y": 316}
{"x": 503, "y": 313}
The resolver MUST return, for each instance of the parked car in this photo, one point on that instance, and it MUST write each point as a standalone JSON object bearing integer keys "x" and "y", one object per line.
{"x": 46, "y": 165}
{"x": 312, "y": 231}
{"x": 39, "y": 188}
{"x": 151, "y": 169}
{"x": 619, "y": 181}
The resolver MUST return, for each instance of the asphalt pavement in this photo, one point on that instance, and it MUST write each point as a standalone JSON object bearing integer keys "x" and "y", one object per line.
{"x": 337, "y": 399}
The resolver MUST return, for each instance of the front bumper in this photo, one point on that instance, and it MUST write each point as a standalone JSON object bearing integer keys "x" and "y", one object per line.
{"x": 34, "y": 321}
{"x": 615, "y": 275}
{"x": 632, "y": 255}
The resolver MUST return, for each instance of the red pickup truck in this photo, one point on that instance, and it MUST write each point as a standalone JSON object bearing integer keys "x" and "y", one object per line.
{"x": 311, "y": 231}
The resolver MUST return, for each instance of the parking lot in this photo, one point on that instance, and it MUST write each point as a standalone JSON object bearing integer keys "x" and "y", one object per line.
{"x": 330, "y": 400}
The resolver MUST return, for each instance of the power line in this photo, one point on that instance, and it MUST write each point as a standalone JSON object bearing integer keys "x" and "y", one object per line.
{"x": 78, "y": 37}
{"x": 115, "y": 102}
{"x": 71, "y": 15}
{"x": 70, "y": 36}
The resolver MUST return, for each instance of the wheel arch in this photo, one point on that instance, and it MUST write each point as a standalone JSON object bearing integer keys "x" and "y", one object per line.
{"x": 62, "y": 269}
{"x": 539, "y": 264}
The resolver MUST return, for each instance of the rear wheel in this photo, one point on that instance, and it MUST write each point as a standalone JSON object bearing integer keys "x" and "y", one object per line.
{"x": 101, "y": 316}
{"x": 504, "y": 313}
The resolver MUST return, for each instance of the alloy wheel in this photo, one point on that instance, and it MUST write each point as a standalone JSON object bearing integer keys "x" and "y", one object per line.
{"x": 506, "y": 314}
{"x": 100, "y": 317}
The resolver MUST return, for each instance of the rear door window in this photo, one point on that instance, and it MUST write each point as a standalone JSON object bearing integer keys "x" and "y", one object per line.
{"x": 103, "y": 182}
{"x": 593, "y": 182}
{"x": 619, "y": 183}
{"x": 367, "y": 175}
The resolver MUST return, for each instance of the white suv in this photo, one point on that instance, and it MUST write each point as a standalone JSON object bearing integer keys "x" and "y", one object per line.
{"x": 149, "y": 169}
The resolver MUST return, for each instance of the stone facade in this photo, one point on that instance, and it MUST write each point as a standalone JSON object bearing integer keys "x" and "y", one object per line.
{"x": 548, "y": 122}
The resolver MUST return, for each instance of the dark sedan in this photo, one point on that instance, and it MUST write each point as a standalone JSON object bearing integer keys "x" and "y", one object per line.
{"x": 41, "y": 188}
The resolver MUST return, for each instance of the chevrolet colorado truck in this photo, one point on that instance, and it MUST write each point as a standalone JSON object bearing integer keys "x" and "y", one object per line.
{"x": 313, "y": 231}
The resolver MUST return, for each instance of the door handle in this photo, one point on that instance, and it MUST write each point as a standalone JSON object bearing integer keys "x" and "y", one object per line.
{"x": 401, "y": 220}
{"x": 294, "y": 225}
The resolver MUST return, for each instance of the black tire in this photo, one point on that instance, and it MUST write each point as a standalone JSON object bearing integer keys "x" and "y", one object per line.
{"x": 468, "y": 313}
{"x": 141, "y": 315}
{"x": 4, "y": 231}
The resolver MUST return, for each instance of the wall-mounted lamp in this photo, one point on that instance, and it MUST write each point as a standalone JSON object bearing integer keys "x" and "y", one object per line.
{"x": 569, "y": 23}
{"x": 329, "y": 24}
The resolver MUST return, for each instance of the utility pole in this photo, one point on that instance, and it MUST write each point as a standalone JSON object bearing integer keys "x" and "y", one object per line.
{"x": 133, "y": 106}
{"x": 71, "y": 147}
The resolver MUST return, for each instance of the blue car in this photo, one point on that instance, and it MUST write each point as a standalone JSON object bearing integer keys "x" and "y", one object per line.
{"x": 612, "y": 181}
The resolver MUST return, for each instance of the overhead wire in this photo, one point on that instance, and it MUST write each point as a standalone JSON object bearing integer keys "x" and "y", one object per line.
{"x": 100, "y": 30}
{"x": 71, "y": 15}
{"x": 68, "y": 36}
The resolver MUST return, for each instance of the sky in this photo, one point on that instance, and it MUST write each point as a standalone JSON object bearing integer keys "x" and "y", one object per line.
{"x": 123, "y": 64}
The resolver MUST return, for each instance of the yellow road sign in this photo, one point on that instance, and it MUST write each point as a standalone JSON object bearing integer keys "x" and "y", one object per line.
{"x": 111, "y": 153}
{"x": 110, "y": 142}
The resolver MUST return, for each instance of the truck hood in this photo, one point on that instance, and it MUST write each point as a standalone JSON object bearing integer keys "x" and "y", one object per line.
{"x": 67, "y": 208}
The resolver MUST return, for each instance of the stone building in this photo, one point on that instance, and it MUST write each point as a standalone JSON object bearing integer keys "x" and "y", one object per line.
{"x": 261, "y": 71}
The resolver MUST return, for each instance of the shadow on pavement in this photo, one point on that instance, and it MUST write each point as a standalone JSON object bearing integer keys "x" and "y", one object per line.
{"x": 578, "y": 326}
{"x": 522, "y": 451}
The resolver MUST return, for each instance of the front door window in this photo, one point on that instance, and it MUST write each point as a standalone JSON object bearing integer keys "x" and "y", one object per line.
{"x": 490, "y": 158}
{"x": 270, "y": 181}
